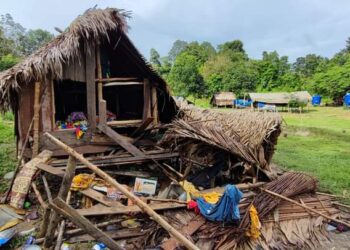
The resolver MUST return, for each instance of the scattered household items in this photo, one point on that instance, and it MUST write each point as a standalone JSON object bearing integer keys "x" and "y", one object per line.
{"x": 316, "y": 100}
{"x": 149, "y": 173}
{"x": 223, "y": 99}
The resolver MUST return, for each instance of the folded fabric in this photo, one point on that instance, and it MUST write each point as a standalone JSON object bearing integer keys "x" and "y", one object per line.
{"x": 226, "y": 209}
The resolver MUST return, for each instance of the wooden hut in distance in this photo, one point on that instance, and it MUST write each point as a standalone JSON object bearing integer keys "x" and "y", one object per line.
{"x": 92, "y": 69}
{"x": 223, "y": 99}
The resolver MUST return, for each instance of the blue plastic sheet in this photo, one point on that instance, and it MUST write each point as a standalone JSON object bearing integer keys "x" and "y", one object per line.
{"x": 226, "y": 209}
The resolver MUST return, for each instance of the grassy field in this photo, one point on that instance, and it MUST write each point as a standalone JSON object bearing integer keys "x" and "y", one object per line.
{"x": 7, "y": 148}
{"x": 318, "y": 142}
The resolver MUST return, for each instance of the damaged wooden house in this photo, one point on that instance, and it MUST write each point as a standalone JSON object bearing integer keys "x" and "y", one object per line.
{"x": 101, "y": 143}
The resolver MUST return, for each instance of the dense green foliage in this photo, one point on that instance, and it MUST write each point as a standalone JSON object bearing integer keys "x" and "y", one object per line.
{"x": 17, "y": 42}
{"x": 200, "y": 70}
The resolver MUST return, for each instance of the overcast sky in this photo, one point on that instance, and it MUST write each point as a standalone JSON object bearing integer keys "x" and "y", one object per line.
{"x": 291, "y": 27}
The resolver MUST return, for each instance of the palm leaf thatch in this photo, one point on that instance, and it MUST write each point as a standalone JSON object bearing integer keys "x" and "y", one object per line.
{"x": 48, "y": 62}
{"x": 250, "y": 136}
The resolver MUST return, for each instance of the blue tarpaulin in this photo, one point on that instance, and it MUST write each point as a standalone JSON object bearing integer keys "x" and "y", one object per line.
{"x": 226, "y": 209}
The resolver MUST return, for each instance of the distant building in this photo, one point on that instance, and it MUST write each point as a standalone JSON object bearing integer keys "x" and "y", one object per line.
{"x": 223, "y": 99}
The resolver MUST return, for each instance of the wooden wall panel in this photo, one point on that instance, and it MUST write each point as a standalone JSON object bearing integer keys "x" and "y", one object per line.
{"x": 26, "y": 109}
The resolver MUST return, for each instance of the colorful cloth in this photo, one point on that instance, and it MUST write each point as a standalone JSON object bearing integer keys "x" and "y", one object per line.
{"x": 82, "y": 181}
{"x": 255, "y": 225}
{"x": 226, "y": 209}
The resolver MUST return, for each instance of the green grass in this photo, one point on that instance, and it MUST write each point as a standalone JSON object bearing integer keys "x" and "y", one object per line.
{"x": 318, "y": 142}
{"x": 7, "y": 149}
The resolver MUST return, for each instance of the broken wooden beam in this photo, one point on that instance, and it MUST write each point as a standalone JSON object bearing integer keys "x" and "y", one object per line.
{"x": 62, "y": 193}
{"x": 143, "y": 206}
{"x": 68, "y": 212}
{"x": 128, "y": 209}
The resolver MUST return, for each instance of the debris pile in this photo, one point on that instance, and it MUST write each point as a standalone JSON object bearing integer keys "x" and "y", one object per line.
{"x": 200, "y": 182}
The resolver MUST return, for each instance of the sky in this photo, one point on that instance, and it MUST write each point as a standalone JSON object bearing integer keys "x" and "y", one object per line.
{"x": 291, "y": 27}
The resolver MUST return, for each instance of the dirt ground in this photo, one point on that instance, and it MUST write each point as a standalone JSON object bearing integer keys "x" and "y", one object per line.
{"x": 340, "y": 241}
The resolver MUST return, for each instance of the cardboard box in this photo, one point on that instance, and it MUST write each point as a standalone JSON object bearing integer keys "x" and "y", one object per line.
{"x": 145, "y": 186}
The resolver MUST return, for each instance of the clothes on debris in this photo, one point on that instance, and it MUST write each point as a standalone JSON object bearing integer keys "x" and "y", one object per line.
{"x": 82, "y": 181}
{"x": 226, "y": 209}
{"x": 255, "y": 225}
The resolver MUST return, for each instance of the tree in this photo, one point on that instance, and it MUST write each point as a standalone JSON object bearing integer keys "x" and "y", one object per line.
{"x": 34, "y": 39}
{"x": 307, "y": 66}
{"x": 13, "y": 31}
{"x": 7, "y": 61}
{"x": 155, "y": 58}
{"x": 233, "y": 46}
{"x": 178, "y": 47}
{"x": 185, "y": 78}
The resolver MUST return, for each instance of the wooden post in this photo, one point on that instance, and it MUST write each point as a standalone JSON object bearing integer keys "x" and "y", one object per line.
{"x": 36, "y": 119}
{"x": 102, "y": 112}
{"x": 99, "y": 76}
{"x": 143, "y": 206}
{"x": 67, "y": 211}
{"x": 90, "y": 85}
{"x": 305, "y": 207}
{"x": 155, "y": 106}
{"x": 53, "y": 104}
{"x": 62, "y": 193}
{"x": 146, "y": 99}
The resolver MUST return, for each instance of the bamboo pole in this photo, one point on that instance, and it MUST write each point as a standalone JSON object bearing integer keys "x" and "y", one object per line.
{"x": 62, "y": 226}
{"x": 36, "y": 119}
{"x": 143, "y": 206}
{"x": 305, "y": 207}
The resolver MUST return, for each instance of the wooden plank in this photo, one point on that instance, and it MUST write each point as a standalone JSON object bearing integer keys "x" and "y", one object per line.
{"x": 99, "y": 73}
{"x": 49, "y": 169}
{"x": 122, "y": 84}
{"x": 36, "y": 119}
{"x": 102, "y": 115}
{"x": 93, "y": 194}
{"x": 62, "y": 194}
{"x": 67, "y": 211}
{"x": 128, "y": 209}
{"x": 126, "y": 123}
{"x": 120, "y": 140}
{"x": 113, "y": 79}
{"x": 91, "y": 86}
{"x": 136, "y": 200}
{"x": 143, "y": 126}
{"x": 155, "y": 106}
{"x": 53, "y": 104}
{"x": 146, "y": 100}
{"x": 84, "y": 149}
{"x": 120, "y": 234}
{"x": 117, "y": 161}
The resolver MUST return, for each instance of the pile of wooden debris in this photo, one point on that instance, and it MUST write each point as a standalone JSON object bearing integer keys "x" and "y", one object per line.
{"x": 176, "y": 192}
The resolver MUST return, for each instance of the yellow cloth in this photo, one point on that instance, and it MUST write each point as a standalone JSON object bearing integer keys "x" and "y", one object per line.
{"x": 255, "y": 225}
{"x": 192, "y": 191}
{"x": 211, "y": 197}
{"x": 82, "y": 181}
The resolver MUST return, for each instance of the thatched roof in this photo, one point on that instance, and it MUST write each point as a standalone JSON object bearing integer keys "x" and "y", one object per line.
{"x": 223, "y": 98}
{"x": 93, "y": 26}
{"x": 249, "y": 135}
{"x": 280, "y": 97}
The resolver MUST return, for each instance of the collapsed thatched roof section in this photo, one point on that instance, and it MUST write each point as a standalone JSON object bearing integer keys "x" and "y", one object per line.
{"x": 94, "y": 26}
{"x": 251, "y": 136}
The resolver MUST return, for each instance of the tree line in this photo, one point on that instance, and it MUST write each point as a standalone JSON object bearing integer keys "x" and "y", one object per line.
{"x": 16, "y": 42}
{"x": 200, "y": 70}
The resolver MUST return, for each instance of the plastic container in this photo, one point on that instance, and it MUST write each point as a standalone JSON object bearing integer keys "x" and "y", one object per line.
{"x": 347, "y": 100}
{"x": 316, "y": 100}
